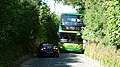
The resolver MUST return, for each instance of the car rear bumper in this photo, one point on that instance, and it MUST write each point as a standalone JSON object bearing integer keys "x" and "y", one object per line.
{"x": 44, "y": 54}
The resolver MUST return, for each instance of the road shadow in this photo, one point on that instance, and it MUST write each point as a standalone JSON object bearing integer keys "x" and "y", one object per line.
{"x": 72, "y": 52}
{"x": 65, "y": 60}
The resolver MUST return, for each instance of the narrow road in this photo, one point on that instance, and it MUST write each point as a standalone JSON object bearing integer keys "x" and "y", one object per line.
{"x": 65, "y": 60}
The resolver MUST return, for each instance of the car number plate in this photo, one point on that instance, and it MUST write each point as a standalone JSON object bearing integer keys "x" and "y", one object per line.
{"x": 49, "y": 52}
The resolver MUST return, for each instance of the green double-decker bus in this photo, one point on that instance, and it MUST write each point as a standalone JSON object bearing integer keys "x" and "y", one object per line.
{"x": 69, "y": 33}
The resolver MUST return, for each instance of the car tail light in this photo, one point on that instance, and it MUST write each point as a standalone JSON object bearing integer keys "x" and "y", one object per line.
{"x": 55, "y": 48}
{"x": 43, "y": 48}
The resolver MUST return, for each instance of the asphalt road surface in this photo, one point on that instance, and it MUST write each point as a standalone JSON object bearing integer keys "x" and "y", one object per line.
{"x": 65, "y": 60}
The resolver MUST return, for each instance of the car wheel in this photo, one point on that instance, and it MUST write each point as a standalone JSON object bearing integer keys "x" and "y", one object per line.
{"x": 56, "y": 55}
{"x": 39, "y": 56}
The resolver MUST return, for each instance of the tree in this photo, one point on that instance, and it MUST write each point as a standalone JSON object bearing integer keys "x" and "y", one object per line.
{"x": 50, "y": 23}
{"x": 23, "y": 24}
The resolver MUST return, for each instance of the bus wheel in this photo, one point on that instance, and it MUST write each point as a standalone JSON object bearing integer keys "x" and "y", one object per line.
{"x": 82, "y": 52}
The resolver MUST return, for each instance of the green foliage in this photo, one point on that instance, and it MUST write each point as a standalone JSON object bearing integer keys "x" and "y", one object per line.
{"x": 102, "y": 26}
{"x": 18, "y": 19}
{"x": 101, "y": 21}
{"x": 49, "y": 21}
{"x": 21, "y": 26}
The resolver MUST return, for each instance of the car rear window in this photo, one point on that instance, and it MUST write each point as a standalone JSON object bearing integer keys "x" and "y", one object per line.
{"x": 46, "y": 44}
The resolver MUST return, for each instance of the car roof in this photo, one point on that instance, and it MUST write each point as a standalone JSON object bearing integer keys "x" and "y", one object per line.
{"x": 46, "y": 43}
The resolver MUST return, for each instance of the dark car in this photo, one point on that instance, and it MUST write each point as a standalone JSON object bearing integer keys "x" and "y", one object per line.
{"x": 48, "y": 49}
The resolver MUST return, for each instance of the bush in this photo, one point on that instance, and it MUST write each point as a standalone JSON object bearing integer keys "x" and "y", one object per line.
{"x": 101, "y": 21}
{"x": 21, "y": 28}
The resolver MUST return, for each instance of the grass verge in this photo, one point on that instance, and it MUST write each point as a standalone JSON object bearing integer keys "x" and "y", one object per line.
{"x": 106, "y": 55}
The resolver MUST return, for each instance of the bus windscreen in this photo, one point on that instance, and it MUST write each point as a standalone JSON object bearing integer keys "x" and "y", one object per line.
{"x": 70, "y": 38}
{"x": 70, "y": 22}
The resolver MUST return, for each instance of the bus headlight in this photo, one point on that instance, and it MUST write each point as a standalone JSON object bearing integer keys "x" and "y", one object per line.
{"x": 61, "y": 47}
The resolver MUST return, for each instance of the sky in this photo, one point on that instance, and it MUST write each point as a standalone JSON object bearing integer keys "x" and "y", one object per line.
{"x": 60, "y": 8}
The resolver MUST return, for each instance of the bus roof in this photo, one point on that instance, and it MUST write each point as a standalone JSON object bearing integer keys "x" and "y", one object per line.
{"x": 72, "y": 13}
